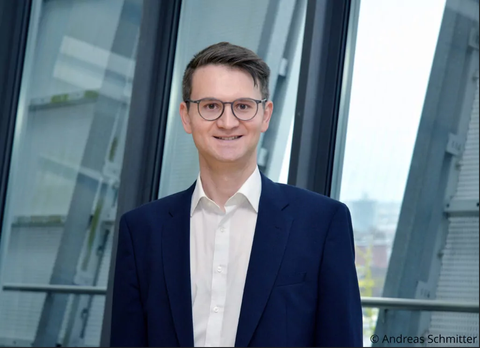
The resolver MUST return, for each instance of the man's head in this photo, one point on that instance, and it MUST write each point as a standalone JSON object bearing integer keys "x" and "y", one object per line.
{"x": 226, "y": 106}
{"x": 233, "y": 56}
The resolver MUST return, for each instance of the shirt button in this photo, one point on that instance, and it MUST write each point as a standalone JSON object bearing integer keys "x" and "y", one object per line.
{"x": 215, "y": 309}
{"x": 219, "y": 269}
{"x": 222, "y": 229}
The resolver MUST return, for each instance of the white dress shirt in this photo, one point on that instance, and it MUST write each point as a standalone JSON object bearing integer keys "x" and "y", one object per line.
{"x": 220, "y": 245}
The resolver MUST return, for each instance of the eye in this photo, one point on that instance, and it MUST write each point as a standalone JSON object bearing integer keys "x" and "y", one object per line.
{"x": 243, "y": 106}
{"x": 211, "y": 106}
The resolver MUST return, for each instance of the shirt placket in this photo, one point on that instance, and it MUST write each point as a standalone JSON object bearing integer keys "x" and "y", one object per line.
{"x": 219, "y": 281}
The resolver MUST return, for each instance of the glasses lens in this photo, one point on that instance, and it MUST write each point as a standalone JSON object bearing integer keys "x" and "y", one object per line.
{"x": 245, "y": 109}
{"x": 210, "y": 109}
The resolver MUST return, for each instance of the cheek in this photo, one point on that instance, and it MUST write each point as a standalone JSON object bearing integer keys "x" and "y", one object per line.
{"x": 200, "y": 133}
{"x": 199, "y": 142}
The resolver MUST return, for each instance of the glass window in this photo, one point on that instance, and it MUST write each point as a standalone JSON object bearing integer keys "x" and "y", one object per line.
{"x": 274, "y": 30}
{"x": 410, "y": 161}
{"x": 67, "y": 155}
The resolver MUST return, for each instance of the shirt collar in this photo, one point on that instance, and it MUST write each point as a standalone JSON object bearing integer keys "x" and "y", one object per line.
{"x": 251, "y": 189}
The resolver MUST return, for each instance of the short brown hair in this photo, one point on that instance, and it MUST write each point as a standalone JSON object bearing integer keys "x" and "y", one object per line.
{"x": 225, "y": 53}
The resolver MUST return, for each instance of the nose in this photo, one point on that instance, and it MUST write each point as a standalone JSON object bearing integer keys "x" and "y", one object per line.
{"x": 228, "y": 119}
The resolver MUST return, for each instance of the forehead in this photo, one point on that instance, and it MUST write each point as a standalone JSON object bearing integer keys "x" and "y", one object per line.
{"x": 222, "y": 81}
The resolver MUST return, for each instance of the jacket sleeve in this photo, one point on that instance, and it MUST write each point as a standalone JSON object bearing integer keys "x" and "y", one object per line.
{"x": 128, "y": 326}
{"x": 339, "y": 311}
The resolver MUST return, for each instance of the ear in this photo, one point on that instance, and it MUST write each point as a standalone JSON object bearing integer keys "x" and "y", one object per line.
{"x": 267, "y": 114}
{"x": 186, "y": 122}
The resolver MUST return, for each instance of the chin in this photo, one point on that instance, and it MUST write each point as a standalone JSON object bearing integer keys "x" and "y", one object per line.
{"x": 229, "y": 159}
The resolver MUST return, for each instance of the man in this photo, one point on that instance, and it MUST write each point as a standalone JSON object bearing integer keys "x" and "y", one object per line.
{"x": 235, "y": 259}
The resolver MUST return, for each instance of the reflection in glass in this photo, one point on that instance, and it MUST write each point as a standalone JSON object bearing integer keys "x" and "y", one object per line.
{"x": 68, "y": 151}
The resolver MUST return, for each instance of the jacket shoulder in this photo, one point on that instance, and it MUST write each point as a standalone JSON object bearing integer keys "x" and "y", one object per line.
{"x": 311, "y": 206}
{"x": 159, "y": 208}
{"x": 297, "y": 194}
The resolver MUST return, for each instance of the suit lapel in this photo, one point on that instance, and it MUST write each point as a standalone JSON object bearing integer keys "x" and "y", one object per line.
{"x": 270, "y": 240}
{"x": 176, "y": 263}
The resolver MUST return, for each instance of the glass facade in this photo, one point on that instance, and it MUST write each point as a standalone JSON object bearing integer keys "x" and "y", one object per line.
{"x": 64, "y": 177}
{"x": 388, "y": 90}
{"x": 406, "y": 151}
{"x": 406, "y": 160}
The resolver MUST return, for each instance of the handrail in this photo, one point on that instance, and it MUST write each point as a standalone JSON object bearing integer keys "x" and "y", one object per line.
{"x": 420, "y": 305}
{"x": 372, "y": 302}
{"x": 62, "y": 289}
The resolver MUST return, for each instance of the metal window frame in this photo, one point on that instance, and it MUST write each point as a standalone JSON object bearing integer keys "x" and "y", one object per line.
{"x": 142, "y": 163}
{"x": 341, "y": 140}
{"x": 14, "y": 22}
{"x": 319, "y": 95}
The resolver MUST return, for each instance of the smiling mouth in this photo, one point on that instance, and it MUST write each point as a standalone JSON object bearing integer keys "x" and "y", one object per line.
{"x": 229, "y": 138}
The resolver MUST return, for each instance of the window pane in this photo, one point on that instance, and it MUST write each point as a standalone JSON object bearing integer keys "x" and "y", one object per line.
{"x": 67, "y": 155}
{"x": 410, "y": 168}
{"x": 274, "y": 30}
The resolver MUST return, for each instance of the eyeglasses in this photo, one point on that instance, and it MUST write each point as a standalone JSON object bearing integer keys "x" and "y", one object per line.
{"x": 211, "y": 109}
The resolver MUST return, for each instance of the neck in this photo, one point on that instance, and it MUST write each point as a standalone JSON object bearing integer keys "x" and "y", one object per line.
{"x": 222, "y": 181}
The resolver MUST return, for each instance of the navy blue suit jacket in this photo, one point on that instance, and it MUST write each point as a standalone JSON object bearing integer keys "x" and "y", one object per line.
{"x": 301, "y": 287}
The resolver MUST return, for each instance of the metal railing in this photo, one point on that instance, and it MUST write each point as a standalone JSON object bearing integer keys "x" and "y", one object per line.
{"x": 372, "y": 302}
{"x": 59, "y": 289}
{"x": 420, "y": 305}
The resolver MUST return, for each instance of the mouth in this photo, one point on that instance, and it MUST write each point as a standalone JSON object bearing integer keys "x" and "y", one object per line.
{"x": 229, "y": 138}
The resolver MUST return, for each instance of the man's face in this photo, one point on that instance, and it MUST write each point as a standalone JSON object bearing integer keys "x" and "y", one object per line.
{"x": 227, "y": 139}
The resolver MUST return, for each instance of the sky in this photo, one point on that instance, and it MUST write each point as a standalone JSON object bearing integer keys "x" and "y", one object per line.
{"x": 396, "y": 41}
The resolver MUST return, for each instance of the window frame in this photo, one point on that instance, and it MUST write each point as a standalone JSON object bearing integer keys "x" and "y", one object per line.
{"x": 319, "y": 95}
{"x": 142, "y": 163}
{"x": 14, "y": 23}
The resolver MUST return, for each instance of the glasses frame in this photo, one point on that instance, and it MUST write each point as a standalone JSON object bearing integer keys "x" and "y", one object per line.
{"x": 257, "y": 101}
